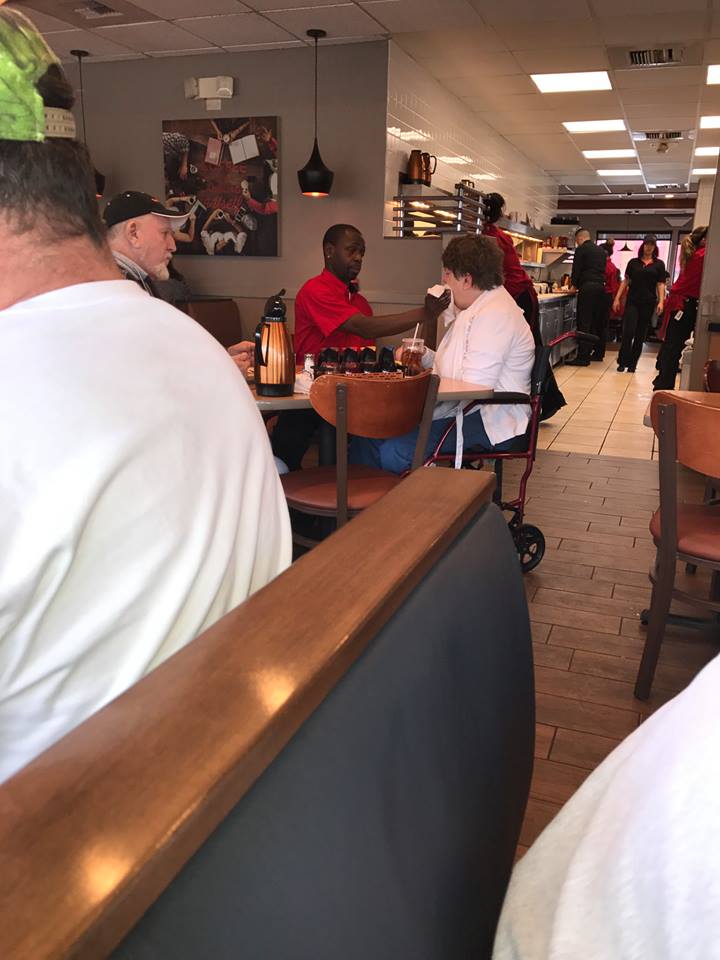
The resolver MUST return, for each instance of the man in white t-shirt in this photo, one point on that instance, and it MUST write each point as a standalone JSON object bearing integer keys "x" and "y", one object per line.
{"x": 629, "y": 867}
{"x": 139, "y": 501}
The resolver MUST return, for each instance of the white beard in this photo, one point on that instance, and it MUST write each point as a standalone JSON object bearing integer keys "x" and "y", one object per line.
{"x": 160, "y": 272}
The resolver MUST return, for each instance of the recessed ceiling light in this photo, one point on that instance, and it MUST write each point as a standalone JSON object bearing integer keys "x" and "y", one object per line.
{"x": 669, "y": 196}
{"x": 713, "y": 74}
{"x": 709, "y": 123}
{"x": 619, "y": 173}
{"x": 571, "y": 82}
{"x": 608, "y": 154}
{"x": 707, "y": 151}
{"x": 595, "y": 126}
{"x": 704, "y": 172}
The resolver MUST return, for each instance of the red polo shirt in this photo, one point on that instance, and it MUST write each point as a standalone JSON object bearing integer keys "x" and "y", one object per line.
{"x": 322, "y": 306}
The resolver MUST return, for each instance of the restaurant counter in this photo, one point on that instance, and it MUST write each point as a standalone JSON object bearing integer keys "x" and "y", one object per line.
{"x": 557, "y": 315}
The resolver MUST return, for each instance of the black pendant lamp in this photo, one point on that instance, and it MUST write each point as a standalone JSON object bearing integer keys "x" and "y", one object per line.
{"x": 99, "y": 178}
{"x": 315, "y": 179}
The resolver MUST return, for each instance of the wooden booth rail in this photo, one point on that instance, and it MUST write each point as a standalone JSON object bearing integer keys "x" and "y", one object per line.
{"x": 99, "y": 833}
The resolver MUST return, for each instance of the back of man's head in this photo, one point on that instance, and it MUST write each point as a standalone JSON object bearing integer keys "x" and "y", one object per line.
{"x": 581, "y": 236}
{"x": 47, "y": 186}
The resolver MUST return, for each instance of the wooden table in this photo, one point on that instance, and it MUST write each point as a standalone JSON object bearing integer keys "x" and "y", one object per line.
{"x": 449, "y": 390}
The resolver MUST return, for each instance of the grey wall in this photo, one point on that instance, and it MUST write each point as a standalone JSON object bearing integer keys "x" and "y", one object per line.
{"x": 126, "y": 103}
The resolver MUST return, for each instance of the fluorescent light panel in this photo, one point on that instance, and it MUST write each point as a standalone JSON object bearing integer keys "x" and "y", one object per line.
{"x": 713, "y": 74}
{"x": 619, "y": 173}
{"x": 571, "y": 82}
{"x": 608, "y": 154}
{"x": 707, "y": 151}
{"x": 710, "y": 123}
{"x": 482, "y": 176}
{"x": 594, "y": 126}
{"x": 704, "y": 172}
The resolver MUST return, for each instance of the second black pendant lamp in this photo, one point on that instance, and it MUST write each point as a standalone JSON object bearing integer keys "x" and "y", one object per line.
{"x": 315, "y": 179}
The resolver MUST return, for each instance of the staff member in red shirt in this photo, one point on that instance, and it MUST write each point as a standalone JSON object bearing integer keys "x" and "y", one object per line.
{"x": 329, "y": 312}
{"x": 681, "y": 308}
{"x": 612, "y": 285}
{"x": 517, "y": 281}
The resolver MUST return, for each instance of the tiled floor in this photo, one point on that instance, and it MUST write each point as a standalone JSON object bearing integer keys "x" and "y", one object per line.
{"x": 585, "y": 598}
{"x": 604, "y": 412}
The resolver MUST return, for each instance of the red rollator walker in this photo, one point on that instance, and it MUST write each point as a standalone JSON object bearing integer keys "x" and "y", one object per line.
{"x": 529, "y": 539}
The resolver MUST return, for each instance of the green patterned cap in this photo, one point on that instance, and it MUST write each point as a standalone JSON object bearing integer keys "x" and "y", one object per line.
{"x": 24, "y": 58}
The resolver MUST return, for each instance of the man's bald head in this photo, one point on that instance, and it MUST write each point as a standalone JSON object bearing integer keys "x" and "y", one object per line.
{"x": 581, "y": 236}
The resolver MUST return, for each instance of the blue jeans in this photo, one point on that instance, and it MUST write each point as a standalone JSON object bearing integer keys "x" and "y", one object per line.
{"x": 395, "y": 454}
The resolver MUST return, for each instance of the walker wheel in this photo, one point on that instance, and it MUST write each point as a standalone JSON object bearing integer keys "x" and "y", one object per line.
{"x": 530, "y": 545}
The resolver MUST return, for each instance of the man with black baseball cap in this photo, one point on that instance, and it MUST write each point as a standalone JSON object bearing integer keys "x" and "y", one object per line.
{"x": 141, "y": 236}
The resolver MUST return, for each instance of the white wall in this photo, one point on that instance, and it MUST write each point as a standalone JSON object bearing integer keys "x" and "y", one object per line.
{"x": 448, "y": 128}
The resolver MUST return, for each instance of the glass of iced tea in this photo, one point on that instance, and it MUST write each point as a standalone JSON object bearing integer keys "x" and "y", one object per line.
{"x": 411, "y": 356}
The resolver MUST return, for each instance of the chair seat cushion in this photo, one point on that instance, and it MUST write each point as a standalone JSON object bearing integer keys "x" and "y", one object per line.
{"x": 317, "y": 488}
{"x": 698, "y": 530}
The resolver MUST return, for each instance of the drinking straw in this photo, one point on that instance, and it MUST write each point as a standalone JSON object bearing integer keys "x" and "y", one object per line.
{"x": 417, "y": 327}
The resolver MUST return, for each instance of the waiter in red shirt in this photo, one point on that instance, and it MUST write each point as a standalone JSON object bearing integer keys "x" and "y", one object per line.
{"x": 329, "y": 312}
{"x": 612, "y": 285}
{"x": 681, "y": 308}
{"x": 517, "y": 281}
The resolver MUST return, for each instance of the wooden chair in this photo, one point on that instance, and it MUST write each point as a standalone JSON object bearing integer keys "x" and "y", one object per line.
{"x": 711, "y": 376}
{"x": 687, "y": 430}
{"x": 366, "y": 405}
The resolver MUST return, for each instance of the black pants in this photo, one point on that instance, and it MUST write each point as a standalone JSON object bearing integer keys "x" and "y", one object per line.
{"x": 634, "y": 328}
{"x": 677, "y": 333}
{"x": 591, "y": 318}
{"x": 293, "y": 434}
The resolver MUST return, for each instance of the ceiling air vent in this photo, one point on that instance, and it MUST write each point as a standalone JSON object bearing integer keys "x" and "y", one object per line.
{"x": 627, "y": 58}
{"x": 659, "y": 134}
{"x": 655, "y": 58}
{"x": 94, "y": 10}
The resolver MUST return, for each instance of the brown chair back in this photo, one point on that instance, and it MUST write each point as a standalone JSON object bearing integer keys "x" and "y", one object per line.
{"x": 221, "y": 318}
{"x": 711, "y": 376}
{"x": 697, "y": 427}
{"x": 378, "y": 406}
{"x": 374, "y": 406}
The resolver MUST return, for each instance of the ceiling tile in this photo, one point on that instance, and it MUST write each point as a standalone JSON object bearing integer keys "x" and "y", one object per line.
{"x": 250, "y": 47}
{"x": 536, "y": 122}
{"x": 449, "y": 43}
{"x": 398, "y": 16}
{"x": 644, "y": 31}
{"x": 475, "y": 69}
{"x": 263, "y": 5}
{"x": 656, "y": 77}
{"x": 76, "y": 13}
{"x": 662, "y": 121}
{"x": 659, "y": 96}
{"x": 43, "y": 21}
{"x": 619, "y": 8}
{"x": 515, "y": 10}
{"x": 176, "y": 9}
{"x": 345, "y": 20}
{"x": 561, "y": 60}
{"x": 554, "y": 35}
{"x": 98, "y": 47}
{"x": 150, "y": 37}
{"x": 602, "y": 141}
{"x": 236, "y": 28}
{"x": 502, "y": 88}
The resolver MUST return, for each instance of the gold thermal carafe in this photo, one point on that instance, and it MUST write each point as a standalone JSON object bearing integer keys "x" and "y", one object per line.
{"x": 274, "y": 356}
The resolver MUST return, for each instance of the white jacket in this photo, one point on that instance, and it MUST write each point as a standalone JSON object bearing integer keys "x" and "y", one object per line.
{"x": 488, "y": 343}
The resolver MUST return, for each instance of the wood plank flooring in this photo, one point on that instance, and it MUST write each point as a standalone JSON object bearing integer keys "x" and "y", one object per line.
{"x": 585, "y": 599}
